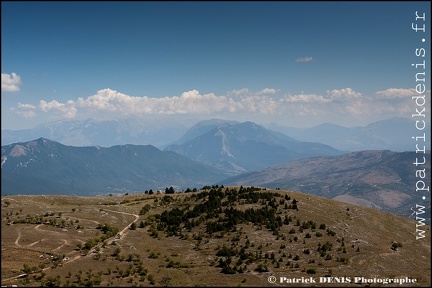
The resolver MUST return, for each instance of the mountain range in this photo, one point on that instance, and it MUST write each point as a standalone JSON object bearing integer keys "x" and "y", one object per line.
{"x": 379, "y": 179}
{"x": 138, "y": 131}
{"x": 43, "y": 166}
{"x": 391, "y": 134}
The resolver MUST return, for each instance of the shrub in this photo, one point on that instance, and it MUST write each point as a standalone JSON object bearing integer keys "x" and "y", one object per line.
{"x": 261, "y": 268}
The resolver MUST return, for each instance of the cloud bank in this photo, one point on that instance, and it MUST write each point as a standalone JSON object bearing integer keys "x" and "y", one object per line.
{"x": 268, "y": 103}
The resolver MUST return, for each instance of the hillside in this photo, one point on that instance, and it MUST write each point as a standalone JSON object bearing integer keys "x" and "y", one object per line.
{"x": 220, "y": 236}
{"x": 381, "y": 179}
{"x": 235, "y": 148}
{"x": 43, "y": 166}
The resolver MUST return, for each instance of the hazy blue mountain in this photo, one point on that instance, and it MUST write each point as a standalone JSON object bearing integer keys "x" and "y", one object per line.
{"x": 149, "y": 131}
{"x": 236, "y": 148}
{"x": 376, "y": 178}
{"x": 201, "y": 128}
{"x": 392, "y": 134}
{"x": 43, "y": 166}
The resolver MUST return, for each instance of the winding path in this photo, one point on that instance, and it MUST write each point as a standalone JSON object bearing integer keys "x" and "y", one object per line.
{"x": 121, "y": 233}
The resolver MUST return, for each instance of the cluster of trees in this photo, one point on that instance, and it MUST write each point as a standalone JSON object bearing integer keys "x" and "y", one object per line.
{"x": 322, "y": 249}
{"x": 264, "y": 216}
{"x": 219, "y": 205}
{"x": 108, "y": 232}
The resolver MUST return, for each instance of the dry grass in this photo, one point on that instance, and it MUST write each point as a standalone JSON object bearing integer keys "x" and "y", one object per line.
{"x": 365, "y": 234}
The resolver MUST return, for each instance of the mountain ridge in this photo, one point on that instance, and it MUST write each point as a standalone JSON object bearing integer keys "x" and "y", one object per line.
{"x": 87, "y": 170}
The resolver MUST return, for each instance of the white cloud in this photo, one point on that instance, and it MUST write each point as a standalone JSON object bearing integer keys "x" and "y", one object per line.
{"x": 188, "y": 102}
{"x": 68, "y": 110}
{"x": 10, "y": 82}
{"x": 26, "y": 106}
{"x": 106, "y": 100}
{"x": 305, "y": 59}
{"x": 342, "y": 94}
{"x": 396, "y": 93}
{"x": 25, "y": 110}
{"x": 241, "y": 92}
{"x": 335, "y": 95}
{"x": 306, "y": 98}
{"x": 267, "y": 91}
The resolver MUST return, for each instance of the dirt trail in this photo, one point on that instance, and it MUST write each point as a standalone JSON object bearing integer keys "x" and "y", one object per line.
{"x": 17, "y": 240}
{"x": 127, "y": 226}
{"x": 121, "y": 233}
{"x": 65, "y": 242}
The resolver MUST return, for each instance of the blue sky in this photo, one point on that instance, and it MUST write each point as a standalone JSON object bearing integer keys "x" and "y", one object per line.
{"x": 294, "y": 63}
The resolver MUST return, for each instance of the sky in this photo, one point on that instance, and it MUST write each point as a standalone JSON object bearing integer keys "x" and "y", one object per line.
{"x": 297, "y": 64}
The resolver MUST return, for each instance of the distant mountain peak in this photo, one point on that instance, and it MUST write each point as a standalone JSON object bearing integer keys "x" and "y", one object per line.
{"x": 234, "y": 148}
{"x": 251, "y": 124}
